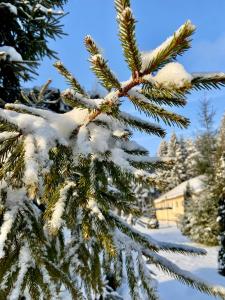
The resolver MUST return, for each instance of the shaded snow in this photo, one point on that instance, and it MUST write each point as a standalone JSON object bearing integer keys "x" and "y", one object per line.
{"x": 11, "y": 7}
{"x": 13, "y": 54}
{"x": 48, "y": 11}
{"x": 5, "y": 135}
{"x": 205, "y": 267}
{"x": 6, "y": 228}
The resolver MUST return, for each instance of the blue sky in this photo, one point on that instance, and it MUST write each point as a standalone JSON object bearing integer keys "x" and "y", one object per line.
{"x": 157, "y": 19}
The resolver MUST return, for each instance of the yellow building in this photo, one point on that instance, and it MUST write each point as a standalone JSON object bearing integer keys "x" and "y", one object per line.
{"x": 170, "y": 206}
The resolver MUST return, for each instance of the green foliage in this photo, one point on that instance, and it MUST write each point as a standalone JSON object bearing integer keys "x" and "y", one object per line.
{"x": 201, "y": 225}
{"x": 128, "y": 41}
{"x": 28, "y": 32}
{"x": 140, "y": 124}
{"x": 164, "y": 95}
{"x": 100, "y": 67}
{"x": 206, "y": 140}
{"x": 208, "y": 81}
{"x": 176, "y": 45}
{"x": 151, "y": 110}
{"x": 69, "y": 78}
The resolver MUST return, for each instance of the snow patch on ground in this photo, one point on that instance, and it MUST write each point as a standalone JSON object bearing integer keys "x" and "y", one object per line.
{"x": 204, "y": 267}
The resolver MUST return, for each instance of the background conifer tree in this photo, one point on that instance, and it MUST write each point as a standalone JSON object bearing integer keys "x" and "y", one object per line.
{"x": 185, "y": 223}
{"x": 25, "y": 28}
{"x": 206, "y": 140}
{"x": 200, "y": 219}
{"x": 191, "y": 159}
{"x": 220, "y": 193}
{"x": 201, "y": 216}
{"x": 144, "y": 202}
{"x": 176, "y": 151}
{"x": 221, "y": 213}
{"x": 179, "y": 170}
{"x": 77, "y": 167}
{"x": 163, "y": 174}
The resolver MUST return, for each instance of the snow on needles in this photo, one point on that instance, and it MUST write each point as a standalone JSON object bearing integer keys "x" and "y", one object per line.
{"x": 6, "y": 228}
{"x": 47, "y": 11}
{"x": 149, "y": 56}
{"x": 31, "y": 163}
{"x": 5, "y": 135}
{"x": 14, "y": 200}
{"x": 58, "y": 210}
{"x": 42, "y": 130}
{"x": 24, "y": 263}
{"x": 11, "y": 53}
{"x": 11, "y": 7}
{"x": 173, "y": 74}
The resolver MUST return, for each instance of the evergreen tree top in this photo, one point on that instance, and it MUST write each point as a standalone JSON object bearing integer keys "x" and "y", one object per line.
{"x": 25, "y": 28}
{"x": 71, "y": 172}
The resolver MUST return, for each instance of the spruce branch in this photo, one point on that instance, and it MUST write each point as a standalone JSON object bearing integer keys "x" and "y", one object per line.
{"x": 152, "y": 244}
{"x": 146, "y": 278}
{"x": 183, "y": 276}
{"x": 132, "y": 276}
{"x": 164, "y": 96}
{"x": 6, "y": 126}
{"x": 102, "y": 71}
{"x": 43, "y": 90}
{"x": 139, "y": 124}
{"x": 72, "y": 81}
{"x": 100, "y": 66}
{"x": 120, "y": 5}
{"x": 208, "y": 80}
{"x": 91, "y": 46}
{"x": 149, "y": 164}
{"x": 151, "y": 110}
{"x": 75, "y": 99}
{"x": 128, "y": 41}
{"x": 55, "y": 272}
{"x": 170, "y": 49}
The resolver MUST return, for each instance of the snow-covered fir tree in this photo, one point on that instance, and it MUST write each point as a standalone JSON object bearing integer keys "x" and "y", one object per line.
{"x": 145, "y": 201}
{"x": 201, "y": 215}
{"x": 220, "y": 194}
{"x": 143, "y": 196}
{"x": 163, "y": 174}
{"x": 163, "y": 149}
{"x": 179, "y": 170}
{"x": 175, "y": 151}
{"x": 206, "y": 139}
{"x": 25, "y": 28}
{"x": 167, "y": 151}
{"x": 185, "y": 223}
{"x": 191, "y": 159}
{"x": 59, "y": 229}
{"x": 201, "y": 224}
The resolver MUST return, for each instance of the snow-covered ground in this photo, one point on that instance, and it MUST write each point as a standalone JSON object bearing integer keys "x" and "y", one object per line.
{"x": 204, "y": 267}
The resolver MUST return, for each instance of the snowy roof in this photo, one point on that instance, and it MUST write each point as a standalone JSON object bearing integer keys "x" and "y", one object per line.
{"x": 196, "y": 184}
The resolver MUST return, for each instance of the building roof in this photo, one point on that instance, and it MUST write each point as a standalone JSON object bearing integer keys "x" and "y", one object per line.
{"x": 196, "y": 184}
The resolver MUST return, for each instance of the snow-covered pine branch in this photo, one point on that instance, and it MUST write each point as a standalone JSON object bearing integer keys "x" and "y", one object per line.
{"x": 175, "y": 45}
